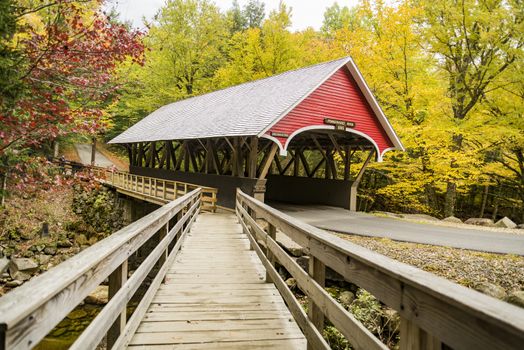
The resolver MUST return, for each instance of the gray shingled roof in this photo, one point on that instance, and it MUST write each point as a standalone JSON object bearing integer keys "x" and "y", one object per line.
{"x": 242, "y": 110}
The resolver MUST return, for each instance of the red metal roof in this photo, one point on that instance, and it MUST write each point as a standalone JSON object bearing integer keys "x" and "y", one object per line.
{"x": 340, "y": 98}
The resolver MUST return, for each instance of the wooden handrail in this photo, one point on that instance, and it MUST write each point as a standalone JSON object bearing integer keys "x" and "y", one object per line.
{"x": 153, "y": 189}
{"x": 433, "y": 310}
{"x": 28, "y": 313}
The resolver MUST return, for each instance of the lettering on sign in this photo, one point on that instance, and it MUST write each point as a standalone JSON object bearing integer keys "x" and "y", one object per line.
{"x": 339, "y": 124}
{"x": 279, "y": 134}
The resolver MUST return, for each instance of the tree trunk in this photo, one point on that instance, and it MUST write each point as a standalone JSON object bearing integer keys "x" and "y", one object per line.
{"x": 93, "y": 151}
{"x": 3, "y": 188}
{"x": 451, "y": 197}
{"x": 484, "y": 200}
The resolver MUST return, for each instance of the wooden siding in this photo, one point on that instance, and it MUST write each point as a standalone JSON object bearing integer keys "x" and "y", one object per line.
{"x": 339, "y": 97}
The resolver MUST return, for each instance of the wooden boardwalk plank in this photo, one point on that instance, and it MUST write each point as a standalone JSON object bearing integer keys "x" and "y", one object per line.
{"x": 215, "y": 297}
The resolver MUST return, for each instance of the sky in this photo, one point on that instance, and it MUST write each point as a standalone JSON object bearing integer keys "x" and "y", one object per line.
{"x": 305, "y": 13}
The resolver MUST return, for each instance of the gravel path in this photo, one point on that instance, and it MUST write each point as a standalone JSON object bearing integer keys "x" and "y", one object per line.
{"x": 464, "y": 267}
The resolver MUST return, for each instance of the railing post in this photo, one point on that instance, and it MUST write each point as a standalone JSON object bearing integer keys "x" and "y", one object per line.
{"x": 272, "y": 232}
{"x": 412, "y": 337}
{"x": 161, "y": 235}
{"x": 116, "y": 280}
{"x": 317, "y": 270}
{"x": 164, "y": 189}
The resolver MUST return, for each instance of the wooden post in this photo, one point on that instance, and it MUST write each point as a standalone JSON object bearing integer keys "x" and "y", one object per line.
{"x": 356, "y": 182}
{"x": 161, "y": 235}
{"x": 252, "y": 161}
{"x": 414, "y": 338}
{"x": 317, "y": 270}
{"x": 116, "y": 280}
{"x": 272, "y": 232}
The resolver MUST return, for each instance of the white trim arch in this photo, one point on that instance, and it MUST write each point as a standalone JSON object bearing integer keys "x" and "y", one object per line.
{"x": 329, "y": 127}
{"x": 282, "y": 151}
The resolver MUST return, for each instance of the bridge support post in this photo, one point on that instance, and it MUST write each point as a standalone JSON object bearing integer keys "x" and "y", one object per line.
{"x": 356, "y": 182}
{"x": 414, "y": 338}
{"x": 116, "y": 280}
{"x": 317, "y": 270}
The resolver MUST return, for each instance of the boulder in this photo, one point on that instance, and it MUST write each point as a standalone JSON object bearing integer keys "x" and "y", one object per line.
{"x": 20, "y": 276}
{"x": 492, "y": 290}
{"x": 4, "y": 263}
{"x": 505, "y": 222}
{"x": 520, "y": 226}
{"x": 289, "y": 245}
{"x": 98, "y": 297}
{"x": 516, "y": 298}
{"x": 14, "y": 284}
{"x": 479, "y": 222}
{"x": 346, "y": 298}
{"x": 25, "y": 265}
{"x": 453, "y": 220}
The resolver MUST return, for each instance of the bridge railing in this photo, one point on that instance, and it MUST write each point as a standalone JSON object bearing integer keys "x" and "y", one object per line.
{"x": 155, "y": 190}
{"x": 30, "y": 312}
{"x": 435, "y": 313}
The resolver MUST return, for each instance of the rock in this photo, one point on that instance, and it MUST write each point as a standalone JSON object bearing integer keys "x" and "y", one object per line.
{"x": 492, "y": 290}
{"x": 4, "y": 263}
{"x": 20, "y": 276}
{"x": 346, "y": 297}
{"x": 506, "y": 223}
{"x": 76, "y": 314}
{"x": 14, "y": 284}
{"x": 50, "y": 250}
{"x": 44, "y": 259}
{"x": 520, "y": 226}
{"x": 98, "y": 297}
{"x": 289, "y": 245}
{"x": 516, "y": 298}
{"x": 419, "y": 216}
{"x": 22, "y": 264}
{"x": 64, "y": 244}
{"x": 479, "y": 222}
{"x": 452, "y": 219}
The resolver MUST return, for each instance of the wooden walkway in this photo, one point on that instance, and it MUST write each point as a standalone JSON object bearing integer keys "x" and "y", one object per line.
{"x": 215, "y": 296}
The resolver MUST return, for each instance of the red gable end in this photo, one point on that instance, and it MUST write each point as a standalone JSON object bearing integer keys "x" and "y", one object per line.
{"x": 338, "y": 98}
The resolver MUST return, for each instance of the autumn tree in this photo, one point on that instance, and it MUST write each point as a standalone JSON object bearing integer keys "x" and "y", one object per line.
{"x": 184, "y": 48}
{"x": 475, "y": 42}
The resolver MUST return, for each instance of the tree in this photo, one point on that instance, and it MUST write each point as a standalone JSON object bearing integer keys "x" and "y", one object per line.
{"x": 67, "y": 54}
{"x": 184, "y": 48}
{"x": 251, "y": 16}
{"x": 475, "y": 42}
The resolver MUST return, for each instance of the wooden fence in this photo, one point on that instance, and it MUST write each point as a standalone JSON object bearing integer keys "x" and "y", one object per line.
{"x": 158, "y": 191}
{"x": 30, "y": 312}
{"x": 435, "y": 313}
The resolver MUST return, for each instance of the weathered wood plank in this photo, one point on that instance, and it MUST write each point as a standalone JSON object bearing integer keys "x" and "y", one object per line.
{"x": 281, "y": 344}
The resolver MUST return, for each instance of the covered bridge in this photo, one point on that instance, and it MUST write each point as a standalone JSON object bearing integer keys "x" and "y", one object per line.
{"x": 280, "y": 137}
